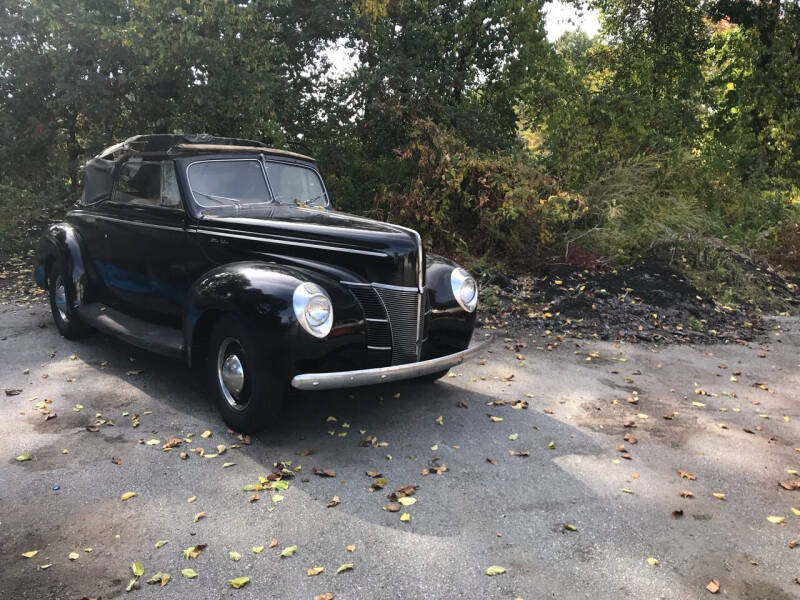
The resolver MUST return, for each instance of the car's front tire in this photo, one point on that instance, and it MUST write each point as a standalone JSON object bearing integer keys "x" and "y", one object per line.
{"x": 62, "y": 303}
{"x": 245, "y": 392}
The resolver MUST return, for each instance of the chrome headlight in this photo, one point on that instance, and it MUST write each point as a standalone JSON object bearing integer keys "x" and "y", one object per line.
{"x": 313, "y": 309}
{"x": 465, "y": 289}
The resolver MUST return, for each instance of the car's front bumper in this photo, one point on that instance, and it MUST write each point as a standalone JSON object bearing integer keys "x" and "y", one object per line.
{"x": 344, "y": 379}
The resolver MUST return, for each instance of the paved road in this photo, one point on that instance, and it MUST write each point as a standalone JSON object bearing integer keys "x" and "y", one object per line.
{"x": 474, "y": 515}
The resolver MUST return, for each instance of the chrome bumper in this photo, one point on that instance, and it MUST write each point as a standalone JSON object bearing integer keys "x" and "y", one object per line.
{"x": 343, "y": 379}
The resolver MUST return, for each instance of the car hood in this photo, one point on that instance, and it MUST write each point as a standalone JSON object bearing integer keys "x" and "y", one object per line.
{"x": 373, "y": 251}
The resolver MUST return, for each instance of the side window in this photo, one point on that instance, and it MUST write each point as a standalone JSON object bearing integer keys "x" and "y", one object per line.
{"x": 170, "y": 194}
{"x": 139, "y": 182}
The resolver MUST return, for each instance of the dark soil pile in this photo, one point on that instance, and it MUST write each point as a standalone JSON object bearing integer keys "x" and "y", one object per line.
{"x": 648, "y": 302}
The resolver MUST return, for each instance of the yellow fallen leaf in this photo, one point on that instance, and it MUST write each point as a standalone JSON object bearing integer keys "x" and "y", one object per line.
{"x": 23, "y": 457}
{"x": 227, "y": 464}
{"x": 198, "y": 516}
{"x": 127, "y": 496}
{"x": 221, "y": 448}
{"x": 495, "y": 419}
{"x": 191, "y": 499}
{"x": 405, "y": 517}
{"x": 160, "y": 543}
{"x": 315, "y": 571}
{"x": 193, "y": 551}
{"x": 344, "y": 567}
{"x": 440, "y": 420}
{"x": 234, "y": 556}
{"x": 47, "y": 566}
{"x": 407, "y": 500}
{"x": 795, "y": 511}
{"x": 238, "y": 582}
{"x": 153, "y": 442}
{"x": 138, "y": 569}
{"x": 718, "y": 495}
{"x": 495, "y": 570}
{"x": 277, "y": 498}
{"x": 30, "y": 554}
{"x": 775, "y": 519}
{"x": 652, "y": 561}
{"x": 73, "y": 556}
{"x": 257, "y": 549}
{"x": 205, "y": 434}
{"x": 289, "y": 551}
{"x": 189, "y": 573}
{"x": 351, "y": 548}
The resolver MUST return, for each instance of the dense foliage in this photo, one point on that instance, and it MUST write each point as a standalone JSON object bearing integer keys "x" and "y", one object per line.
{"x": 680, "y": 121}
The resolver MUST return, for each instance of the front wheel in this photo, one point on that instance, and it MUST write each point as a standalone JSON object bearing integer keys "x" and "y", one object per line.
{"x": 432, "y": 377}
{"x": 248, "y": 397}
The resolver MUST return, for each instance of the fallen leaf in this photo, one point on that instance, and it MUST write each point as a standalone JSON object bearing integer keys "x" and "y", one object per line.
{"x": 171, "y": 443}
{"x": 718, "y": 495}
{"x": 324, "y": 472}
{"x": 551, "y": 446}
{"x": 344, "y": 567}
{"x": 138, "y": 569}
{"x": 153, "y": 442}
{"x": 277, "y": 498}
{"x": 405, "y": 517}
{"x": 257, "y": 549}
{"x": 495, "y": 419}
{"x": 23, "y": 457}
{"x": 160, "y": 543}
{"x": 677, "y": 514}
{"x": 73, "y": 556}
{"x": 787, "y": 485}
{"x": 517, "y": 453}
{"x": 570, "y": 527}
{"x": 227, "y": 464}
{"x": 652, "y": 561}
{"x": 191, "y": 499}
{"x": 13, "y": 391}
{"x": 127, "y": 496}
{"x": 206, "y": 434}
{"x": 193, "y": 551}
{"x": 686, "y": 475}
{"x": 132, "y": 584}
{"x": 234, "y": 556}
{"x": 795, "y": 511}
{"x": 289, "y": 551}
{"x": 713, "y": 586}
{"x": 161, "y": 578}
{"x": 392, "y": 507}
{"x": 378, "y": 484}
{"x": 513, "y": 437}
{"x": 273, "y": 543}
{"x": 30, "y": 553}
{"x": 314, "y": 571}
{"x": 198, "y": 516}
{"x": 325, "y": 596}
{"x": 406, "y": 501}
{"x": 495, "y": 570}
{"x": 687, "y": 494}
{"x": 440, "y": 420}
{"x": 775, "y": 519}
{"x": 334, "y": 502}
{"x": 351, "y": 548}
{"x": 189, "y": 573}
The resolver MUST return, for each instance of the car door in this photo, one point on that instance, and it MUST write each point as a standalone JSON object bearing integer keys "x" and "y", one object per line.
{"x": 148, "y": 254}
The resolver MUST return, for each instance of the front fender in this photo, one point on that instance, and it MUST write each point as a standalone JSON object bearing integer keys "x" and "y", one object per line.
{"x": 450, "y": 327}
{"x": 62, "y": 240}
{"x": 260, "y": 294}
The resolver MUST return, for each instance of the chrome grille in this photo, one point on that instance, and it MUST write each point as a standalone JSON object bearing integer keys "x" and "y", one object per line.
{"x": 393, "y": 320}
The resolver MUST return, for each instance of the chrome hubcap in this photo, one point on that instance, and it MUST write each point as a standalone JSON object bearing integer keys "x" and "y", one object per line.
{"x": 61, "y": 299}
{"x": 230, "y": 372}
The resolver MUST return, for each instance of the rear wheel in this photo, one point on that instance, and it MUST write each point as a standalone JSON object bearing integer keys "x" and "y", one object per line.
{"x": 246, "y": 394}
{"x": 62, "y": 303}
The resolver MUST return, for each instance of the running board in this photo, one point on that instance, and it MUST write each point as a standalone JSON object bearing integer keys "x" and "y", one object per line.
{"x": 147, "y": 336}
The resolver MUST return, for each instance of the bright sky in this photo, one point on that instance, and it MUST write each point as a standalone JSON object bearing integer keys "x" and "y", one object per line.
{"x": 561, "y": 17}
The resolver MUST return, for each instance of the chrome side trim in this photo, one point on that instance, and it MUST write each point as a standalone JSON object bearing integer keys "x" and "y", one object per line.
{"x": 342, "y": 379}
{"x": 290, "y": 243}
{"x": 129, "y": 221}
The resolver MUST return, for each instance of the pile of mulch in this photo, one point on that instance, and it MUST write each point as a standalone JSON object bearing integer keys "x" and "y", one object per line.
{"x": 648, "y": 302}
{"x": 17, "y": 286}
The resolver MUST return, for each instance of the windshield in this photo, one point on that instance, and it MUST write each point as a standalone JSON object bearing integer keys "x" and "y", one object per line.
{"x": 295, "y": 185}
{"x": 241, "y": 182}
{"x": 228, "y": 182}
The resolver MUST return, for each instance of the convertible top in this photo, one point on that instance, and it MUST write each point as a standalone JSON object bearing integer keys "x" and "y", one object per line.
{"x": 100, "y": 169}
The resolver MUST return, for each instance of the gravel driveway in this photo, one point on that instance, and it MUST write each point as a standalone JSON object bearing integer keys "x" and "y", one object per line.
{"x": 586, "y": 514}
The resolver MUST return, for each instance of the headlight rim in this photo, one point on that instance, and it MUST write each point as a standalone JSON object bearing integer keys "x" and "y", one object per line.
{"x": 303, "y": 295}
{"x": 458, "y": 277}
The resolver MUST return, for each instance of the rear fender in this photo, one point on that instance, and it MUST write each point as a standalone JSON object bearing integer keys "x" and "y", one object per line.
{"x": 62, "y": 240}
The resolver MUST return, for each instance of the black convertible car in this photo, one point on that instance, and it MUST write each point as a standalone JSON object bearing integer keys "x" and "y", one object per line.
{"x": 228, "y": 254}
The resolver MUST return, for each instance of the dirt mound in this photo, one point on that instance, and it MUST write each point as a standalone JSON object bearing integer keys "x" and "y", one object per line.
{"x": 650, "y": 301}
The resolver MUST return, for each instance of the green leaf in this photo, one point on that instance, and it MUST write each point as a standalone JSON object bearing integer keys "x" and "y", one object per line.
{"x": 495, "y": 570}
{"x": 233, "y": 555}
{"x": 30, "y": 554}
{"x": 513, "y": 437}
{"x": 345, "y": 567}
{"x": 289, "y": 551}
{"x": 160, "y": 543}
{"x": 280, "y": 485}
{"x": 189, "y": 573}
{"x": 130, "y": 585}
{"x": 138, "y": 569}
{"x": 238, "y": 582}
{"x": 551, "y": 446}
{"x": 23, "y": 457}
{"x": 570, "y": 527}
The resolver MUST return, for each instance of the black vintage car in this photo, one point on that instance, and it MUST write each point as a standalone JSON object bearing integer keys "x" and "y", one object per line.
{"x": 228, "y": 254}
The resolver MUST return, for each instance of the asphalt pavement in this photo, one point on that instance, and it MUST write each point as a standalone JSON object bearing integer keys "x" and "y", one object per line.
{"x": 579, "y": 512}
